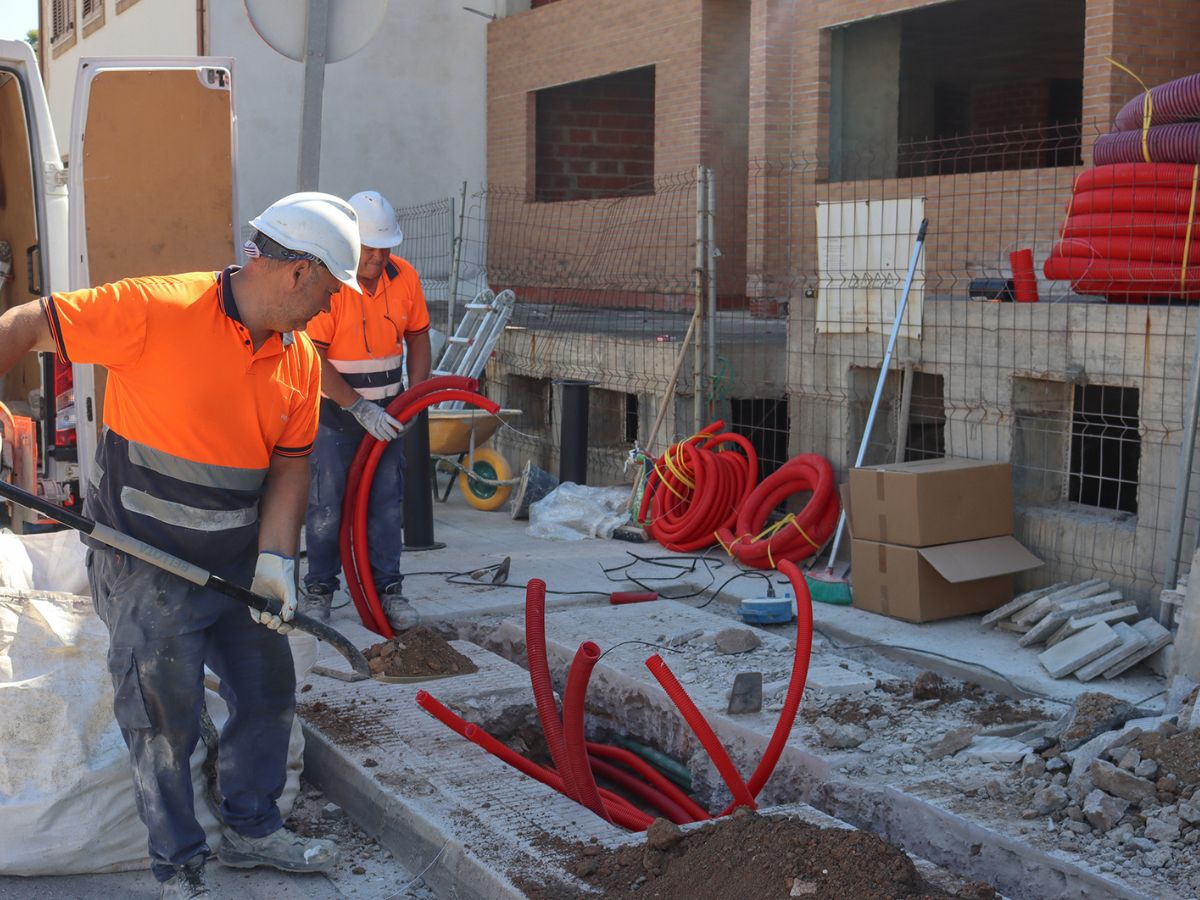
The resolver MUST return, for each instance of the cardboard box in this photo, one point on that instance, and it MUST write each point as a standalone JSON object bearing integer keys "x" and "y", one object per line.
{"x": 920, "y": 584}
{"x": 931, "y": 501}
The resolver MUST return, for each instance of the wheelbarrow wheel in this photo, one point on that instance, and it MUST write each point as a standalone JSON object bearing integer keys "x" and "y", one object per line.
{"x": 491, "y": 465}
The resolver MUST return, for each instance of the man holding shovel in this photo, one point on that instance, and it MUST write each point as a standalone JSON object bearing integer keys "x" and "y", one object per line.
{"x": 209, "y": 417}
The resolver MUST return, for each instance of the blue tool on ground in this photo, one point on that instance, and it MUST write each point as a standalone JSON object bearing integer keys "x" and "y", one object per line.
{"x": 767, "y": 610}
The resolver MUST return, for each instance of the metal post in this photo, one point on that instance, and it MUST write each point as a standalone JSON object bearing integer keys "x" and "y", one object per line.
{"x": 1187, "y": 452}
{"x": 698, "y": 334}
{"x": 308, "y": 171}
{"x": 455, "y": 254}
{"x": 572, "y": 449}
{"x": 711, "y": 253}
{"x": 418, "y": 487}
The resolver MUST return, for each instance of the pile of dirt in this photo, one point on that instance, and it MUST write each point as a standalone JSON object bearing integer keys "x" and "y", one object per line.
{"x": 1001, "y": 712}
{"x": 418, "y": 652}
{"x": 749, "y": 855}
{"x": 1176, "y": 754}
{"x": 845, "y": 710}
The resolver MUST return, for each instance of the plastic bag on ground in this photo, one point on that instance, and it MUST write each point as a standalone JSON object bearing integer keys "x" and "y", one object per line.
{"x": 66, "y": 785}
{"x": 572, "y": 512}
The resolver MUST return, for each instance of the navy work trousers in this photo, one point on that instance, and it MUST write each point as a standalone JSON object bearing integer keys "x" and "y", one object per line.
{"x": 330, "y": 461}
{"x": 163, "y": 631}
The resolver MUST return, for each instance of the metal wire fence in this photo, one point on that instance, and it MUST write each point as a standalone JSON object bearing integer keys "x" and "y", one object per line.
{"x": 765, "y": 296}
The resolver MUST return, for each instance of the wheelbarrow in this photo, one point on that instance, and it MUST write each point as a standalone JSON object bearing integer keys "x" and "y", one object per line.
{"x": 486, "y": 478}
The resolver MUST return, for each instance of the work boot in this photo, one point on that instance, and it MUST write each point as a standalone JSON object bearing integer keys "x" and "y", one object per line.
{"x": 283, "y": 849}
{"x": 187, "y": 882}
{"x": 317, "y": 603}
{"x": 400, "y": 614}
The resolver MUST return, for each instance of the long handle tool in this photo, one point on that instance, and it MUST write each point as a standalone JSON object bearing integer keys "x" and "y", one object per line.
{"x": 185, "y": 570}
{"x": 883, "y": 373}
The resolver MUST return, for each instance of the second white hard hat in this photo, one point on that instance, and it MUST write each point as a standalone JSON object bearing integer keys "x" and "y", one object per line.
{"x": 378, "y": 224}
{"x": 318, "y": 226}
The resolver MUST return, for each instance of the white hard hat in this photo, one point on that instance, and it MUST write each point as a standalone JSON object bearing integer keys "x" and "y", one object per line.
{"x": 378, "y": 224}
{"x": 312, "y": 225}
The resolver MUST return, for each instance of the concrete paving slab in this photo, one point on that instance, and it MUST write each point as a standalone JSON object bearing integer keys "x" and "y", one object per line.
{"x": 989, "y": 748}
{"x": 1075, "y": 624}
{"x": 835, "y": 681}
{"x": 1069, "y": 655}
{"x": 1018, "y": 603}
{"x": 1157, "y": 636}
{"x": 1132, "y": 640}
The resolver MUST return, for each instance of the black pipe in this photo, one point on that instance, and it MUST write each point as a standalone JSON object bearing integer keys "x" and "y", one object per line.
{"x": 573, "y": 436}
{"x": 418, "y": 487}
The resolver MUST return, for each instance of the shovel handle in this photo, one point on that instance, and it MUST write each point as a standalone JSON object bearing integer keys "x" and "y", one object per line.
{"x": 185, "y": 570}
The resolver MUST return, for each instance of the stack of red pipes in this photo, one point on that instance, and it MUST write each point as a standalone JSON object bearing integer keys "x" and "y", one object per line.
{"x": 1130, "y": 233}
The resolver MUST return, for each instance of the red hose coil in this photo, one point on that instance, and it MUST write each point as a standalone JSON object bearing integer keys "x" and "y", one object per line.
{"x": 1131, "y": 249}
{"x": 1129, "y": 281}
{"x": 1127, "y": 225}
{"x": 703, "y": 731}
{"x": 1144, "y": 199}
{"x": 641, "y": 790}
{"x": 1135, "y": 174}
{"x": 656, "y": 778}
{"x": 802, "y": 537}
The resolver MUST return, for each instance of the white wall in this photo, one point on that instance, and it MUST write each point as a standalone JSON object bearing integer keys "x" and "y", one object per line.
{"x": 147, "y": 28}
{"x": 405, "y": 116}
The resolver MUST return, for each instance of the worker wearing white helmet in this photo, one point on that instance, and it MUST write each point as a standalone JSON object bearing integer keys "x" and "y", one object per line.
{"x": 210, "y": 414}
{"x": 367, "y": 341}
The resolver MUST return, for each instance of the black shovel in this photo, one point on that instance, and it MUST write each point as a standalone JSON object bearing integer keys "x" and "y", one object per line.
{"x": 186, "y": 571}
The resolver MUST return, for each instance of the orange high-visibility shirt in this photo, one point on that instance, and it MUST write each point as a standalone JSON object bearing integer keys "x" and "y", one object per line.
{"x": 363, "y": 337}
{"x": 192, "y": 414}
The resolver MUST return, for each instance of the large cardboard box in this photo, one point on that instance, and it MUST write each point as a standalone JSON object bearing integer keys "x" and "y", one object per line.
{"x": 931, "y": 501}
{"x": 920, "y": 584}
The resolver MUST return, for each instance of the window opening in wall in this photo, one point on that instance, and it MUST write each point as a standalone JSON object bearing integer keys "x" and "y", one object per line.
{"x": 608, "y": 417}
{"x": 62, "y": 19}
{"x": 1041, "y": 440}
{"x": 961, "y": 86}
{"x": 531, "y": 396}
{"x": 1105, "y": 447}
{"x": 765, "y": 422}
{"x": 631, "y": 418}
{"x": 595, "y": 138}
{"x": 925, "y": 436}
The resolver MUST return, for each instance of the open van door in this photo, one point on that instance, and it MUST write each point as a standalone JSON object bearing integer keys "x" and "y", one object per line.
{"x": 33, "y": 262}
{"x": 151, "y": 179}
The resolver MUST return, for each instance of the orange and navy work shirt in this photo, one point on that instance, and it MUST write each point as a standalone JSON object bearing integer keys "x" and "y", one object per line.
{"x": 192, "y": 414}
{"x": 363, "y": 337}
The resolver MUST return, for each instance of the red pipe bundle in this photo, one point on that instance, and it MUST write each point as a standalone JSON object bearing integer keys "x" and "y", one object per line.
{"x": 352, "y": 537}
{"x": 693, "y": 491}
{"x": 1130, "y": 233}
{"x": 797, "y": 537}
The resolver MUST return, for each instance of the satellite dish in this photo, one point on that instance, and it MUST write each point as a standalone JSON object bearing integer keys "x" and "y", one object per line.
{"x": 282, "y": 26}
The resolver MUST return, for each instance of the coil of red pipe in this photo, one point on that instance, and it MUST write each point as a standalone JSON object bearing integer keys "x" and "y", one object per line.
{"x": 802, "y": 536}
{"x": 1135, "y": 174}
{"x": 352, "y": 537}
{"x": 693, "y": 491}
{"x": 1127, "y": 225}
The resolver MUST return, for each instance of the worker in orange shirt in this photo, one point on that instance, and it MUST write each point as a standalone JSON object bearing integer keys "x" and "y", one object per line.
{"x": 367, "y": 341}
{"x": 209, "y": 418}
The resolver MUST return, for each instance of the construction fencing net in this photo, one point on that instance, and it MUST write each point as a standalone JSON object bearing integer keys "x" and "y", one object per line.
{"x": 1047, "y": 324}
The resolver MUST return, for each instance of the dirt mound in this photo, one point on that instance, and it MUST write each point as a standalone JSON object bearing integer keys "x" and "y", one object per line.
{"x": 1177, "y": 754}
{"x": 418, "y": 652}
{"x": 748, "y": 855}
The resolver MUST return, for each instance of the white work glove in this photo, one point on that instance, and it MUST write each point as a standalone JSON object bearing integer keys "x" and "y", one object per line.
{"x": 375, "y": 419}
{"x": 275, "y": 577}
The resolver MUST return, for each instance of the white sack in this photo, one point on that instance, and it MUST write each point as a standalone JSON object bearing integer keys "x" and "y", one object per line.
{"x": 66, "y": 790}
{"x": 572, "y": 512}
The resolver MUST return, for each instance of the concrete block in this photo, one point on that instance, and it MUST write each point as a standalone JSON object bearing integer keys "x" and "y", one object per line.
{"x": 1039, "y": 609}
{"x": 834, "y": 681}
{"x": 1066, "y": 611}
{"x": 1018, "y": 603}
{"x": 1076, "y": 624}
{"x": 1132, "y": 640}
{"x": 1067, "y": 656}
{"x": 996, "y": 749}
{"x": 1157, "y": 637}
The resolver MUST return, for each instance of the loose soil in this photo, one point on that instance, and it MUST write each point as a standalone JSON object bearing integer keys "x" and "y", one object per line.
{"x": 350, "y": 726}
{"x": 418, "y": 652}
{"x": 749, "y": 855}
{"x": 843, "y": 710}
{"x": 1178, "y": 754}
{"x": 1001, "y": 712}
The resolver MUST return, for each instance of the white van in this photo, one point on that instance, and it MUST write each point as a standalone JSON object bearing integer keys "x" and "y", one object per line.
{"x": 149, "y": 190}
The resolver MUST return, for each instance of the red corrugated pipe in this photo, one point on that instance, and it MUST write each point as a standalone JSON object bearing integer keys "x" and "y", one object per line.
{"x": 539, "y": 677}
{"x": 1179, "y": 143}
{"x": 1174, "y": 101}
{"x": 656, "y": 778}
{"x": 1127, "y": 225}
{"x": 573, "y": 729}
{"x": 1135, "y": 174}
{"x": 703, "y": 731}
{"x": 641, "y": 790}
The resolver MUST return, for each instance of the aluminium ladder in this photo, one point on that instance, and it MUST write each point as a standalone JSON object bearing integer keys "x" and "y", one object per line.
{"x": 468, "y": 350}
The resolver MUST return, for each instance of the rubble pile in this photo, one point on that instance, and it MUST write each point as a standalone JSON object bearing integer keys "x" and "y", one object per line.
{"x": 1087, "y": 629}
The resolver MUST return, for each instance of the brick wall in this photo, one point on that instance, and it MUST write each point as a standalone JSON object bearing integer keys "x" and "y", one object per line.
{"x": 595, "y": 138}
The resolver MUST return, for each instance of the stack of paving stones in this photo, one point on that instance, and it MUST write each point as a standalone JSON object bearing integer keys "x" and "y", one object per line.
{"x": 1087, "y": 630}
{"x": 1118, "y": 786}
